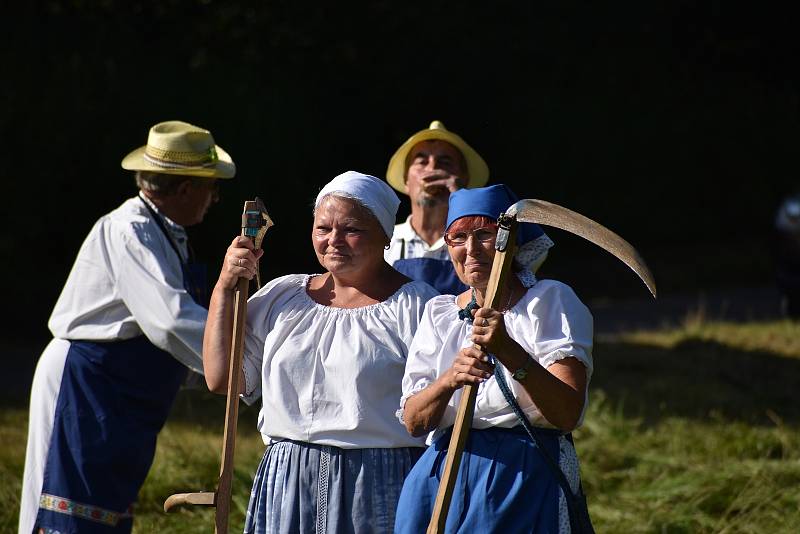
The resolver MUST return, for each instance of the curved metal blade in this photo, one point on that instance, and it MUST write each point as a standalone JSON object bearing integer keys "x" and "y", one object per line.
{"x": 542, "y": 212}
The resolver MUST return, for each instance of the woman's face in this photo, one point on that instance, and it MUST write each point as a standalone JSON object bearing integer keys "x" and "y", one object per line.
{"x": 473, "y": 259}
{"x": 347, "y": 238}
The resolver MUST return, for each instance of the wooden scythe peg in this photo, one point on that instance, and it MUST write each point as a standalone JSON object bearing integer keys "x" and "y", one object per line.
{"x": 255, "y": 222}
{"x": 506, "y": 245}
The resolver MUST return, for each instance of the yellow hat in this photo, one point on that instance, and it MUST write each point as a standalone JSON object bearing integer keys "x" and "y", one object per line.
{"x": 176, "y": 147}
{"x": 476, "y": 168}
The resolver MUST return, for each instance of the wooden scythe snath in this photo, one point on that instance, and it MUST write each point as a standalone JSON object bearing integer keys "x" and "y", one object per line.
{"x": 255, "y": 223}
{"x": 538, "y": 212}
{"x": 495, "y": 292}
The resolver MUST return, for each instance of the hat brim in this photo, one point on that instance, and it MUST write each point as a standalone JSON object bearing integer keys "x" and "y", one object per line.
{"x": 476, "y": 167}
{"x": 224, "y": 168}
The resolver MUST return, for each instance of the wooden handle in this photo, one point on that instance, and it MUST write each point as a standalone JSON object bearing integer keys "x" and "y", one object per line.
{"x": 250, "y": 222}
{"x": 204, "y": 498}
{"x": 232, "y": 408}
{"x": 255, "y": 221}
{"x": 458, "y": 439}
{"x": 495, "y": 289}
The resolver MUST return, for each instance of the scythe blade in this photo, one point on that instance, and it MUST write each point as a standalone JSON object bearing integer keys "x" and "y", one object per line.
{"x": 542, "y": 212}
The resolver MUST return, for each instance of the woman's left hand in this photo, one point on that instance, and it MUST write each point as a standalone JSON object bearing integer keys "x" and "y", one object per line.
{"x": 489, "y": 331}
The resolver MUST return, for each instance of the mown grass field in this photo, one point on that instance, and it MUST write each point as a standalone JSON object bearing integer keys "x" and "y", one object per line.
{"x": 690, "y": 430}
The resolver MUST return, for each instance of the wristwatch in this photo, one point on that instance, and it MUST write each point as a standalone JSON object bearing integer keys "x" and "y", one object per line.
{"x": 522, "y": 372}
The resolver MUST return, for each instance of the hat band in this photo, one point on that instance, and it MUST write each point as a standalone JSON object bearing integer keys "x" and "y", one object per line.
{"x": 172, "y": 159}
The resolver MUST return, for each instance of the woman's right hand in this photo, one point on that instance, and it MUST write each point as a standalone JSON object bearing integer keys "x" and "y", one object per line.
{"x": 241, "y": 261}
{"x": 471, "y": 366}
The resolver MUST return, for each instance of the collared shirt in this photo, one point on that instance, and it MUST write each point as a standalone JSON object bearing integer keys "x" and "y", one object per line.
{"x": 327, "y": 375}
{"x": 127, "y": 281}
{"x": 407, "y": 244}
{"x": 549, "y": 322}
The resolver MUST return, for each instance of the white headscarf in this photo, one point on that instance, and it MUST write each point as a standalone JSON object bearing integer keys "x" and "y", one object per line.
{"x": 373, "y": 193}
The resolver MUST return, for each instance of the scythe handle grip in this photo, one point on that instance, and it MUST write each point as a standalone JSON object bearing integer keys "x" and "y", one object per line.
{"x": 205, "y": 498}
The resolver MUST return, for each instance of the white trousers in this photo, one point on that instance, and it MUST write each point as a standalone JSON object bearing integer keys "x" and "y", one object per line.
{"x": 44, "y": 395}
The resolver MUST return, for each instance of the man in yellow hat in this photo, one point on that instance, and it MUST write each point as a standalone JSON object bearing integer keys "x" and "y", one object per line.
{"x": 128, "y": 324}
{"x": 429, "y": 166}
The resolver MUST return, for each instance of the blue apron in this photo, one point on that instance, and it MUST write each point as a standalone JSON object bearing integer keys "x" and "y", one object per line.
{"x": 114, "y": 399}
{"x": 503, "y": 485}
{"x": 438, "y": 273}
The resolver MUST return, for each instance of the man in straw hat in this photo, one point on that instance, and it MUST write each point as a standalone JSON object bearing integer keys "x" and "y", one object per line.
{"x": 429, "y": 166}
{"x": 127, "y": 325}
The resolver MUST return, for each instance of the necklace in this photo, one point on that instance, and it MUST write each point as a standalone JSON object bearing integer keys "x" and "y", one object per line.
{"x": 465, "y": 313}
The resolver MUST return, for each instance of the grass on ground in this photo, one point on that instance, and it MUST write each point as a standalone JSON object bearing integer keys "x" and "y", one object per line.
{"x": 689, "y": 430}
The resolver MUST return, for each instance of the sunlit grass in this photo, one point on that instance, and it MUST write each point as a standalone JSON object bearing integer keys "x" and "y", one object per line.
{"x": 689, "y": 430}
{"x": 781, "y": 338}
{"x": 682, "y": 475}
{"x": 187, "y": 460}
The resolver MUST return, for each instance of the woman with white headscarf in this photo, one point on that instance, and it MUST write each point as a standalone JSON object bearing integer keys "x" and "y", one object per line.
{"x": 326, "y": 354}
{"x": 519, "y": 471}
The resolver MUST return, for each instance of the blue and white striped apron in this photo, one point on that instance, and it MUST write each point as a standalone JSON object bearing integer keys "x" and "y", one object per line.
{"x": 308, "y": 488}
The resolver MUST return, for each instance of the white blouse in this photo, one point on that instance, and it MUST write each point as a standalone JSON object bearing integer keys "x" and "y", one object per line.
{"x": 549, "y": 322}
{"x": 326, "y": 375}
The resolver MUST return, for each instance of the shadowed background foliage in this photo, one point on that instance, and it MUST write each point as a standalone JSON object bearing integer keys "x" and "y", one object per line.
{"x": 672, "y": 123}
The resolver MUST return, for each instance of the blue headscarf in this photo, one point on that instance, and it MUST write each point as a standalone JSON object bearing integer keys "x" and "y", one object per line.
{"x": 491, "y": 202}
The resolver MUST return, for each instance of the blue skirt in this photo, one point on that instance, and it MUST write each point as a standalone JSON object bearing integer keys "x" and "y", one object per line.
{"x": 303, "y": 487}
{"x": 504, "y": 485}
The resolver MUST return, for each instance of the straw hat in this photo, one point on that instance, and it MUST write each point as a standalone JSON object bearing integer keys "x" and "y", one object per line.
{"x": 476, "y": 168}
{"x": 176, "y": 147}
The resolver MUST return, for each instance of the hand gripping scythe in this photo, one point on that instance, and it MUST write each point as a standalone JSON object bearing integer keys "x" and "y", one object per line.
{"x": 530, "y": 211}
{"x": 255, "y": 223}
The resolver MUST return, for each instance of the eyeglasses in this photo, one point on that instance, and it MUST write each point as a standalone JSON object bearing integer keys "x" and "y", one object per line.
{"x": 486, "y": 234}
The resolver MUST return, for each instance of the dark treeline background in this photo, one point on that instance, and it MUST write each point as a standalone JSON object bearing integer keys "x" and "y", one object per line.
{"x": 674, "y": 123}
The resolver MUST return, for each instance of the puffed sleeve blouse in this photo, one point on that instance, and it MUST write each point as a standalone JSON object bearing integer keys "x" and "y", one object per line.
{"x": 549, "y": 322}
{"x": 326, "y": 375}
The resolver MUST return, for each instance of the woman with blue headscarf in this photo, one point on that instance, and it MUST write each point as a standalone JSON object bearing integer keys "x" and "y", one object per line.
{"x": 537, "y": 356}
